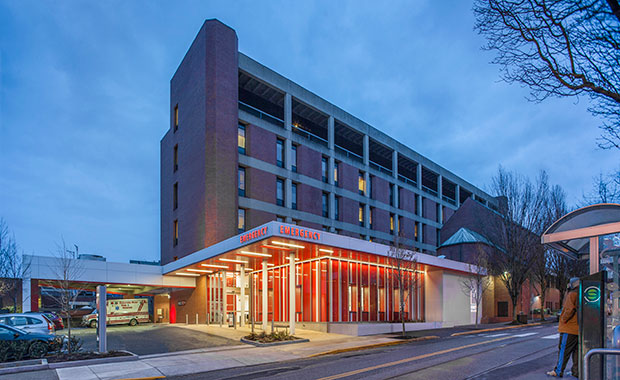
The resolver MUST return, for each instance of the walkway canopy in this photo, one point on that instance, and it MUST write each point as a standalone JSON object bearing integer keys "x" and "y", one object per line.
{"x": 577, "y": 233}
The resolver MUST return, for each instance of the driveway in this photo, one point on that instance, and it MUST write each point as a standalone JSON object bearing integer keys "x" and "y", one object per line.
{"x": 150, "y": 338}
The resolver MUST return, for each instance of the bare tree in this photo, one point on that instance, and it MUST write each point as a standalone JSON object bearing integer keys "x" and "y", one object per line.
{"x": 542, "y": 274}
{"x": 477, "y": 284}
{"x": 404, "y": 264}
{"x": 67, "y": 270}
{"x": 605, "y": 189}
{"x": 12, "y": 265}
{"x": 515, "y": 229}
{"x": 559, "y": 48}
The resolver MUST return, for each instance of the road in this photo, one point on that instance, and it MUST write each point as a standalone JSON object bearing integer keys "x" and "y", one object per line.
{"x": 523, "y": 353}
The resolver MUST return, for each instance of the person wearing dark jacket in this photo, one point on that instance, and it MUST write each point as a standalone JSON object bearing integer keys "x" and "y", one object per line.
{"x": 569, "y": 332}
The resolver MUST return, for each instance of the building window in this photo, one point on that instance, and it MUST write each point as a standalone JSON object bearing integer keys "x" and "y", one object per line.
{"x": 324, "y": 169}
{"x": 175, "y": 233}
{"x": 438, "y": 231}
{"x": 279, "y": 218}
{"x": 325, "y": 201}
{"x": 175, "y": 157}
{"x": 361, "y": 183}
{"x": 438, "y": 213}
{"x": 241, "y": 220}
{"x": 294, "y": 158}
{"x": 294, "y": 196}
{"x": 241, "y": 138}
{"x": 280, "y": 153}
{"x": 372, "y": 209}
{"x": 295, "y": 222}
{"x": 370, "y": 187}
{"x": 176, "y": 118}
{"x": 502, "y": 309}
{"x": 361, "y": 215}
{"x": 336, "y": 164}
{"x": 175, "y": 195}
{"x": 392, "y": 224}
{"x": 337, "y": 208}
{"x": 400, "y": 225}
{"x": 280, "y": 192}
{"x": 416, "y": 231}
{"x": 241, "y": 180}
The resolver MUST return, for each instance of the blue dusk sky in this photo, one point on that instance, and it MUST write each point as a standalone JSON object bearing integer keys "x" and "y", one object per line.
{"x": 84, "y": 94}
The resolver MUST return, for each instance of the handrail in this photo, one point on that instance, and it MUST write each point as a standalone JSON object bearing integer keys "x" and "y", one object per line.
{"x": 380, "y": 167}
{"x": 596, "y": 351}
{"x": 260, "y": 114}
{"x": 429, "y": 190}
{"x": 348, "y": 153}
{"x": 310, "y": 136}
{"x": 449, "y": 200}
{"x": 407, "y": 180}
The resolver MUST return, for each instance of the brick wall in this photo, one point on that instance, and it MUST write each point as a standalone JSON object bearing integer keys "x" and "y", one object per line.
{"x": 261, "y": 144}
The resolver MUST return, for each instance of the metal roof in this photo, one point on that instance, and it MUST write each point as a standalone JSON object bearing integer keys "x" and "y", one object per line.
{"x": 463, "y": 236}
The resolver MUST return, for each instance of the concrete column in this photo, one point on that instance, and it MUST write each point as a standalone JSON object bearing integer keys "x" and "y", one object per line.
{"x": 457, "y": 195}
{"x": 218, "y": 296}
{"x": 594, "y": 255}
{"x": 224, "y": 291}
{"x": 419, "y": 176}
{"x": 264, "y": 297}
{"x": 396, "y": 196}
{"x": 395, "y": 164}
{"x": 26, "y": 294}
{"x": 242, "y": 295}
{"x": 288, "y": 153}
{"x": 366, "y": 215}
{"x": 288, "y": 193}
{"x": 330, "y": 133}
{"x": 330, "y": 298}
{"x": 439, "y": 185}
{"x": 366, "y": 150}
{"x": 288, "y": 111}
{"x": 368, "y": 185}
{"x": 291, "y": 292}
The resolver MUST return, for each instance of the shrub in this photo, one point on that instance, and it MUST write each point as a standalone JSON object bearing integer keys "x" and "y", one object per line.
{"x": 276, "y": 336}
{"x": 13, "y": 350}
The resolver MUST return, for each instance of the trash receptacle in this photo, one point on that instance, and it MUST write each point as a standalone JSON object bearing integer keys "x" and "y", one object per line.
{"x": 522, "y": 318}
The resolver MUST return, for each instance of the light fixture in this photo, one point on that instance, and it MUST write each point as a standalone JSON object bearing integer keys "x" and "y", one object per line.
{"x": 214, "y": 266}
{"x": 270, "y": 265}
{"x": 199, "y": 270}
{"x": 287, "y": 244}
{"x": 325, "y": 250}
{"x": 187, "y": 274}
{"x": 234, "y": 261}
{"x": 255, "y": 254}
{"x": 274, "y": 247}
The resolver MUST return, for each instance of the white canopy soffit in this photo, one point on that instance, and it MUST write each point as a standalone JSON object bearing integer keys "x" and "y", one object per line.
{"x": 572, "y": 233}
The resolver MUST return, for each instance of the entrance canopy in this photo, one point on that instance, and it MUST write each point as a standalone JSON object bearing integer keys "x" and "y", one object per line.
{"x": 275, "y": 241}
{"x": 576, "y": 233}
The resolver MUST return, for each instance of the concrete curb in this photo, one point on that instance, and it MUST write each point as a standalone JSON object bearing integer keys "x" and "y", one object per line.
{"x": 78, "y": 363}
{"x": 23, "y": 366}
{"x": 194, "y": 351}
{"x": 376, "y": 345}
{"x": 259, "y": 344}
{"x": 495, "y": 329}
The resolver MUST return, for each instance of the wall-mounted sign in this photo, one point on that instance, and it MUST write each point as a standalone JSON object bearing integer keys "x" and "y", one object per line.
{"x": 181, "y": 303}
{"x": 592, "y": 294}
{"x": 299, "y": 232}
{"x": 253, "y": 235}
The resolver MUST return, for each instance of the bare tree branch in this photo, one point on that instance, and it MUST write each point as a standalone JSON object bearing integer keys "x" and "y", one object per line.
{"x": 404, "y": 265}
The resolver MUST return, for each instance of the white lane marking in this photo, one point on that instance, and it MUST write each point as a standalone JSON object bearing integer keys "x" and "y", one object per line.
{"x": 495, "y": 335}
{"x": 553, "y": 336}
{"x": 526, "y": 334}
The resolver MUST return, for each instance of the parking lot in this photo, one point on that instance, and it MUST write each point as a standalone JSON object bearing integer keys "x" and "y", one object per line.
{"x": 150, "y": 338}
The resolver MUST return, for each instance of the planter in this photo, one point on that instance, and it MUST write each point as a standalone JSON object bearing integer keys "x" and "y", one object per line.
{"x": 113, "y": 359}
{"x": 23, "y": 366}
{"x": 283, "y": 342}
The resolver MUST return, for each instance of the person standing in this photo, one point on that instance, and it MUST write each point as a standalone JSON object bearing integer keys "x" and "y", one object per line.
{"x": 569, "y": 332}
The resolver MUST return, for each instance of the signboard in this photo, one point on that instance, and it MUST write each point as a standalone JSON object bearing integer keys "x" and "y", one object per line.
{"x": 592, "y": 321}
{"x": 253, "y": 235}
{"x": 300, "y": 232}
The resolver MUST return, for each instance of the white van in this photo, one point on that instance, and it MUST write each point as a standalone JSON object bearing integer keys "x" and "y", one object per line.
{"x": 121, "y": 311}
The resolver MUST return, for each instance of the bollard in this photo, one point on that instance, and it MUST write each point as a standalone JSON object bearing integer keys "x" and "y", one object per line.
{"x": 186, "y": 319}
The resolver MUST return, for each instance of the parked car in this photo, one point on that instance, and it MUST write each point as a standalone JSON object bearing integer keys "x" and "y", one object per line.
{"x": 38, "y": 344}
{"x": 121, "y": 311}
{"x": 58, "y": 324}
{"x": 30, "y": 323}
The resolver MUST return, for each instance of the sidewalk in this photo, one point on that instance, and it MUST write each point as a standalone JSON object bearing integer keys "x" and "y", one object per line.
{"x": 216, "y": 358}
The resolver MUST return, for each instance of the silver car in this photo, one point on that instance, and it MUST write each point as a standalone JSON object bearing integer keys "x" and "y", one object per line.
{"x": 31, "y": 323}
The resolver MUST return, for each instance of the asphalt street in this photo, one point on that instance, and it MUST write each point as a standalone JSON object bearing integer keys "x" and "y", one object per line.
{"x": 523, "y": 353}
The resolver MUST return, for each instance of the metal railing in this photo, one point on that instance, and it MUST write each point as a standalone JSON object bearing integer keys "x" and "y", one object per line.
{"x": 429, "y": 190}
{"x": 449, "y": 200}
{"x": 380, "y": 168}
{"x": 310, "y": 136}
{"x": 348, "y": 153}
{"x": 260, "y": 114}
{"x": 407, "y": 180}
{"x": 596, "y": 351}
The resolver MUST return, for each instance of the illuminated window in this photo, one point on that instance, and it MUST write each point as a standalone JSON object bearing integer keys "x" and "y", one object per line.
{"x": 294, "y": 196}
{"x": 175, "y": 196}
{"x": 280, "y": 153}
{"x": 391, "y": 194}
{"x": 361, "y": 215}
{"x": 279, "y": 218}
{"x": 336, "y": 173}
{"x": 325, "y": 201}
{"x": 294, "y": 158}
{"x": 324, "y": 169}
{"x": 416, "y": 232}
{"x": 370, "y": 187}
{"x": 241, "y": 180}
{"x": 241, "y": 138}
{"x": 175, "y": 158}
{"x": 391, "y": 223}
{"x": 175, "y": 233}
{"x": 241, "y": 220}
{"x": 280, "y": 192}
{"x": 370, "y": 216}
{"x": 361, "y": 183}
{"x": 176, "y": 117}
